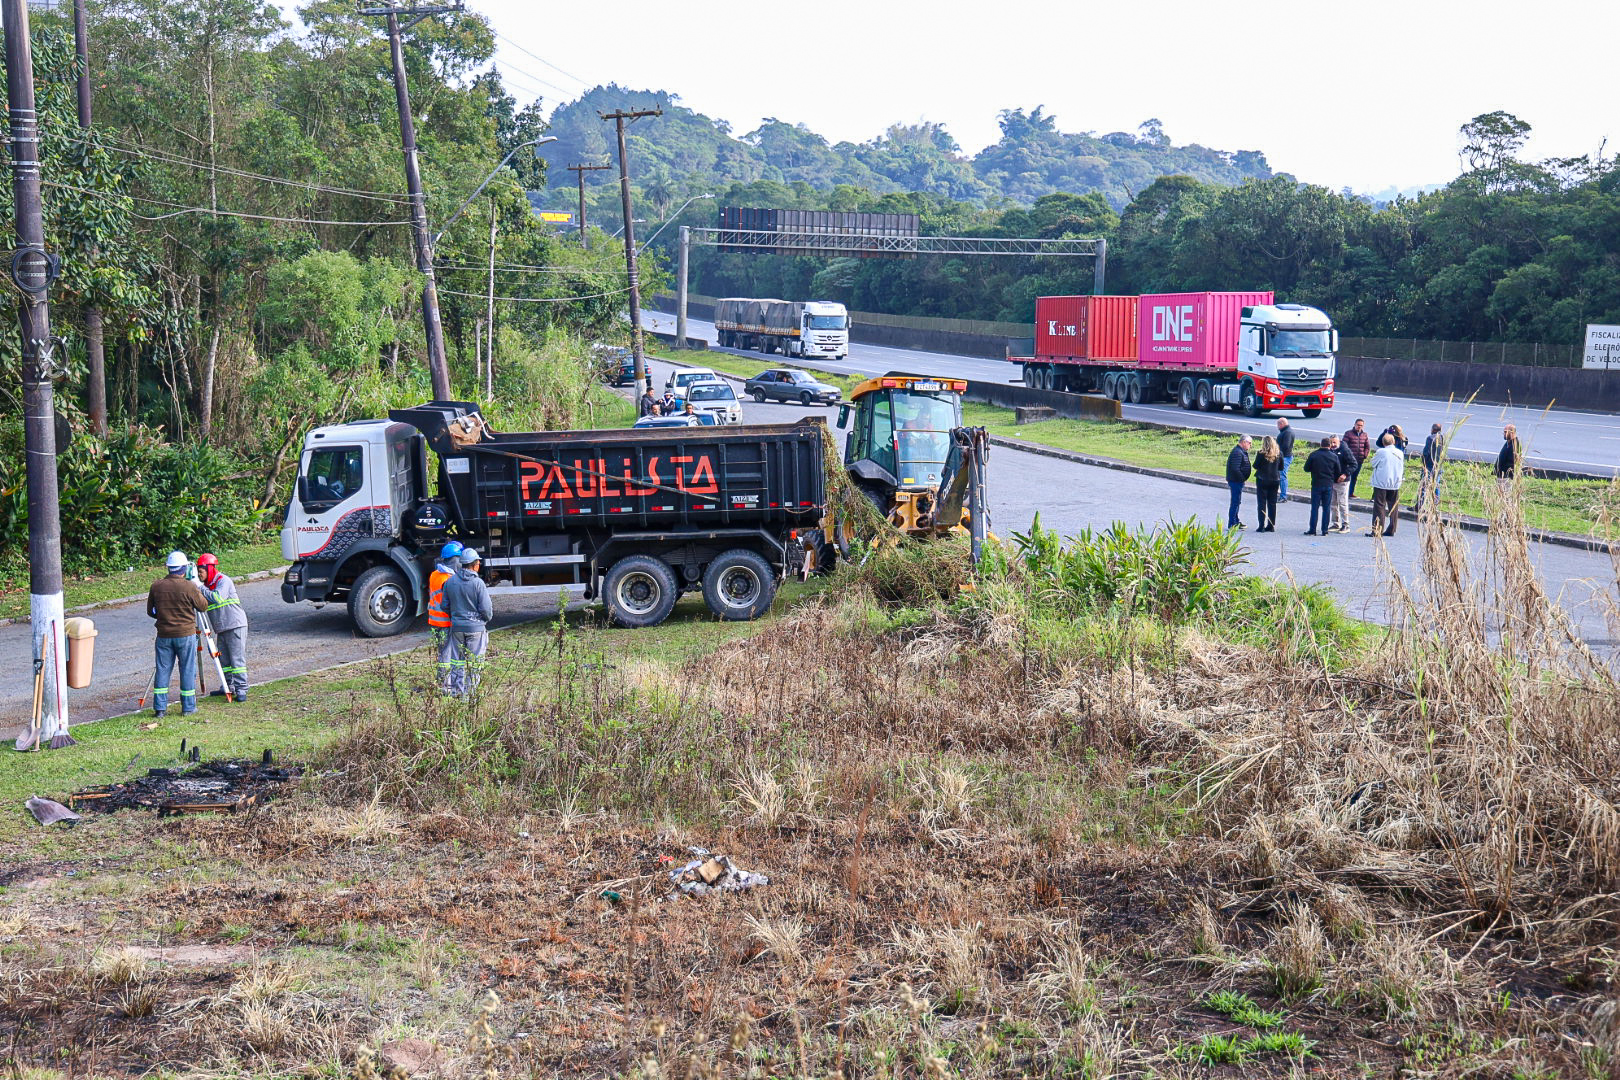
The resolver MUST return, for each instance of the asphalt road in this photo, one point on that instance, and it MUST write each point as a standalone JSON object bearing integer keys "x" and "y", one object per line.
{"x": 1560, "y": 439}
{"x": 1068, "y": 497}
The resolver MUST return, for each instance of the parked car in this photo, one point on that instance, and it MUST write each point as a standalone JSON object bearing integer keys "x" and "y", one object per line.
{"x": 617, "y": 363}
{"x": 681, "y": 378}
{"x": 669, "y": 421}
{"x": 715, "y": 399}
{"x": 791, "y": 384}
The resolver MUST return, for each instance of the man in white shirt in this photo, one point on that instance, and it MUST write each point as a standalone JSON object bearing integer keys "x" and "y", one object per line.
{"x": 1388, "y": 472}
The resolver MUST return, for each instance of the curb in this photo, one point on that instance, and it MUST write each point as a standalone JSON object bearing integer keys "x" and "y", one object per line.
{"x": 257, "y": 575}
{"x": 1470, "y": 524}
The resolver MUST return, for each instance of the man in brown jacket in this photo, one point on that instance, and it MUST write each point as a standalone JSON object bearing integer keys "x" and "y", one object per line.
{"x": 175, "y": 602}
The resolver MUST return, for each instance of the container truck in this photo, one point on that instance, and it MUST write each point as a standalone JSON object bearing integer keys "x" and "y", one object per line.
{"x": 1203, "y": 350}
{"x": 629, "y": 517}
{"x": 817, "y": 328}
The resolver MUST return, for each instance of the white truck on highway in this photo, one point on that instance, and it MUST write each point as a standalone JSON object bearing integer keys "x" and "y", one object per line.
{"x": 808, "y": 328}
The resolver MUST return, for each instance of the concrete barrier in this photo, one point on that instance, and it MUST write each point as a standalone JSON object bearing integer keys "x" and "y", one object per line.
{"x": 1069, "y": 406}
{"x": 1499, "y": 384}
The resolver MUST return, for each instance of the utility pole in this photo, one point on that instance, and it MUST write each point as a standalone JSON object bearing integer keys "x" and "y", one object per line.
{"x": 32, "y": 272}
{"x": 95, "y": 353}
{"x": 580, "y": 171}
{"x": 680, "y": 286}
{"x": 636, "y": 347}
{"x": 489, "y": 354}
{"x": 431, "y": 322}
{"x": 1099, "y": 269}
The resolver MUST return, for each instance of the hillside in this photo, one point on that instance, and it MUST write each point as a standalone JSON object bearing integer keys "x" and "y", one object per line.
{"x": 1033, "y": 157}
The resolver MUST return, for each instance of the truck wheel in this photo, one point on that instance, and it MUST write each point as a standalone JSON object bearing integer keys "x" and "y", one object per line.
{"x": 1133, "y": 390}
{"x": 380, "y": 603}
{"x": 1249, "y": 401}
{"x": 1184, "y": 395}
{"x": 1108, "y": 384}
{"x": 1205, "y": 396}
{"x": 739, "y": 585}
{"x": 806, "y": 398}
{"x": 640, "y": 591}
{"x": 1310, "y": 414}
{"x": 759, "y": 395}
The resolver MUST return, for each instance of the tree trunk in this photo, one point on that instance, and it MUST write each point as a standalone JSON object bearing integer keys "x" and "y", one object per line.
{"x": 205, "y": 403}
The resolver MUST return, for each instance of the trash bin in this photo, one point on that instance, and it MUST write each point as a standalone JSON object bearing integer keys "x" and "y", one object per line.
{"x": 81, "y": 651}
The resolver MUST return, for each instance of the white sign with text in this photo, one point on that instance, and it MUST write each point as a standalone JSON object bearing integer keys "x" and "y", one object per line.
{"x": 1602, "y": 347}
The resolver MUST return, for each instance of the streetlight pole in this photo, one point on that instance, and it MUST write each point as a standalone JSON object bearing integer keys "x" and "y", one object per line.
{"x": 479, "y": 190}
{"x": 32, "y": 272}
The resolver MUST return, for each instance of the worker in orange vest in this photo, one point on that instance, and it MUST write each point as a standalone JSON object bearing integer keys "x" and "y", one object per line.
{"x": 438, "y": 616}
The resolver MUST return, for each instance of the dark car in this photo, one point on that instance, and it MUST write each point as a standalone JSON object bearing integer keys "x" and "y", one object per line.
{"x": 791, "y": 384}
{"x": 618, "y": 364}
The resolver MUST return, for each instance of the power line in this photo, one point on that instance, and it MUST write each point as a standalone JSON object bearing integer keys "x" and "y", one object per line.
{"x": 538, "y": 299}
{"x": 379, "y": 196}
{"x": 543, "y": 60}
{"x": 182, "y": 208}
{"x": 513, "y": 268}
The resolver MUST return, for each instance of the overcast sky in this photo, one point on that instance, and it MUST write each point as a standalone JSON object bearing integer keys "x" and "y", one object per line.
{"x": 1368, "y": 95}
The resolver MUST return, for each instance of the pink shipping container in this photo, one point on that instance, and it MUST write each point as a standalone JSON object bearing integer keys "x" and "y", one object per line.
{"x": 1192, "y": 331}
{"x": 1070, "y": 328}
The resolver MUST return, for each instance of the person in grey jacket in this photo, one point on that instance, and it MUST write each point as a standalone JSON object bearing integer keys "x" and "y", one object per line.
{"x": 466, "y": 598}
{"x": 229, "y": 621}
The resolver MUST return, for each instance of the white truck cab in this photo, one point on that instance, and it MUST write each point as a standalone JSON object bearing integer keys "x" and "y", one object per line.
{"x": 1287, "y": 350}
{"x": 823, "y": 331}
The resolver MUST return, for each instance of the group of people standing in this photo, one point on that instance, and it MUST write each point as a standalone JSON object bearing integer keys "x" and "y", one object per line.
{"x": 1334, "y": 467}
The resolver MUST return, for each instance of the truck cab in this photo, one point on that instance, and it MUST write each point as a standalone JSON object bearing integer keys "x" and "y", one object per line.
{"x": 358, "y": 485}
{"x": 823, "y": 331}
{"x": 1286, "y": 354}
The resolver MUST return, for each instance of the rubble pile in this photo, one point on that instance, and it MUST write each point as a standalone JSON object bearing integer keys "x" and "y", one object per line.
{"x": 709, "y": 872}
{"x": 208, "y": 787}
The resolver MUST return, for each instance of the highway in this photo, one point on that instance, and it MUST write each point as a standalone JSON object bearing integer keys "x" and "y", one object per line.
{"x": 1561, "y": 439}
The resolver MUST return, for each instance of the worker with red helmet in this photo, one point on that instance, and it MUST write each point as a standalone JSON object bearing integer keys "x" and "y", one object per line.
{"x": 229, "y": 621}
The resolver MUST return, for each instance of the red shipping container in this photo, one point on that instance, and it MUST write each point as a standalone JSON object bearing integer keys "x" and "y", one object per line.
{"x": 1085, "y": 328}
{"x": 1192, "y": 331}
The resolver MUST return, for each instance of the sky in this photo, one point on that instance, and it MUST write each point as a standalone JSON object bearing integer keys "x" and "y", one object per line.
{"x": 1367, "y": 95}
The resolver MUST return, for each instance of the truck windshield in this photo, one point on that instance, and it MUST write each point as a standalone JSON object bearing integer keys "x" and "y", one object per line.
{"x": 1298, "y": 343}
{"x": 829, "y": 322}
{"x": 334, "y": 473}
{"x": 911, "y": 434}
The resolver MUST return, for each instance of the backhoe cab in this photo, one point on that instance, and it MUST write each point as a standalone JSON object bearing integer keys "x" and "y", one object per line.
{"x": 909, "y": 453}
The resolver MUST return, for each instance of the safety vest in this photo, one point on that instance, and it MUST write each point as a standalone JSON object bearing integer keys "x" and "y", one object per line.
{"x": 437, "y": 616}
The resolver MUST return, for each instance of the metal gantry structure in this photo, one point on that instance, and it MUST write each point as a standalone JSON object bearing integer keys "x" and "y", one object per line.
{"x": 874, "y": 245}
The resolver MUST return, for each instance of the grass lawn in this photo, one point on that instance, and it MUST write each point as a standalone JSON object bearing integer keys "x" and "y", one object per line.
{"x": 262, "y": 553}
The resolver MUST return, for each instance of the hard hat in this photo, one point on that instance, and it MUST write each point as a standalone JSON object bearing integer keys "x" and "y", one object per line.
{"x": 450, "y": 550}
{"x": 469, "y": 556}
{"x": 207, "y": 559}
{"x": 176, "y": 560}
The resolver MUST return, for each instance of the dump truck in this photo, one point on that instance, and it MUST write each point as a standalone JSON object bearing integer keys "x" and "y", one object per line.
{"x": 1203, "y": 350}
{"x": 631, "y": 518}
{"x": 817, "y": 328}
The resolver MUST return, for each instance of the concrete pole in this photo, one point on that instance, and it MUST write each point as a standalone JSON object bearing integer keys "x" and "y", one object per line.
{"x": 1099, "y": 272}
{"x": 680, "y": 287}
{"x": 95, "y": 351}
{"x": 32, "y": 272}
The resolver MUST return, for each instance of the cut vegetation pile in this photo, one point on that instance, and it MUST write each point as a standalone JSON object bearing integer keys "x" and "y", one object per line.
{"x": 1114, "y": 811}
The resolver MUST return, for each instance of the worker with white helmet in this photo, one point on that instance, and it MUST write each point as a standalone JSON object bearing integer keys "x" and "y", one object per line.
{"x": 174, "y": 602}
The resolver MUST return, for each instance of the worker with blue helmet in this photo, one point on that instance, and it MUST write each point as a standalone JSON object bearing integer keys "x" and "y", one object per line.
{"x": 438, "y": 617}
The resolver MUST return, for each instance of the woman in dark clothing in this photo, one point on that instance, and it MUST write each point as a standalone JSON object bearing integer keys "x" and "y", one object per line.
{"x": 1267, "y": 479}
{"x": 1399, "y": 435}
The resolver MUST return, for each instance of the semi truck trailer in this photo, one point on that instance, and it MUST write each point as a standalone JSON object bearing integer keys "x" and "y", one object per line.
{"x": 631, "y": 518}
{"x": 817, "y": 328}
{"x": 1204, "y": 350}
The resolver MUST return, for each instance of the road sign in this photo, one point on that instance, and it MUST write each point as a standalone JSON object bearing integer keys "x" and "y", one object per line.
{"x": 556, "y": 217}
{"x": 1602, "y": 348}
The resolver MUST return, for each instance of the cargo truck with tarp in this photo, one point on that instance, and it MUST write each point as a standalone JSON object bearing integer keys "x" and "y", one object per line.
{"x": 1203, "y": 350}
{"x": 809, "y": 328}
{"x": 630, "y": 518}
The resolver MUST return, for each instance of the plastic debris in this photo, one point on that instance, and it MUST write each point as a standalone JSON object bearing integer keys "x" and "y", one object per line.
{"x": 713, "y": 873}
{"x": 612, "y": 897}
{"x": 49, "y": 811}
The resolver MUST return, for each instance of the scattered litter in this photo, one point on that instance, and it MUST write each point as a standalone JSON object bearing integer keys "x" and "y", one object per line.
{"x": 612, "y": 897}
{"x": 48, "y": 812}
{"x": 713, "y": 873}
{"x": 152, "y": 726}
{"x": 211, "y": 787}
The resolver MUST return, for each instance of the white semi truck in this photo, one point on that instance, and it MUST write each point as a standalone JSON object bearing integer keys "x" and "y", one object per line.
{"x": 807, "y": 328}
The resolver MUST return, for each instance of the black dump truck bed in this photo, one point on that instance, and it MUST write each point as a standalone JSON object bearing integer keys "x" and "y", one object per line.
{"x": 768, "y": 476}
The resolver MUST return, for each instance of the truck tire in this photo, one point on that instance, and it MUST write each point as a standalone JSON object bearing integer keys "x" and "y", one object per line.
{"x": 1249, "y": 401}
{"x": 1109, "y": 381}
{"x": 1184, "y": 395}
{"x": 1205, "y": 396}
{"x": 739, "y": 585}
{"x": 1310, "y": 414}
{"x": 640, "y": 591}
{"x": 380, "y": 602}
{"x": 1133, "y": 390}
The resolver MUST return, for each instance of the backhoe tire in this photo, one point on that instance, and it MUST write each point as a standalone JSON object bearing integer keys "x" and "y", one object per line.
{"x": 380, "y": 603}
{"x": 739, "y": 585}
{"x": 640, "y": 591}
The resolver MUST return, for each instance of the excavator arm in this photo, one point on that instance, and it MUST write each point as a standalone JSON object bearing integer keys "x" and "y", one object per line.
{"x": 962, "y": 486}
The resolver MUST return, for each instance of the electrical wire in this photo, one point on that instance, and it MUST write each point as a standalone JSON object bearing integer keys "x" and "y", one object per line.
{"x": 542, "y": 59}
{"x": 152, "y": 155}
{"x": 182, "y": 208}
{"x": 535, "y": 299}
{"x": 514, "y": 269}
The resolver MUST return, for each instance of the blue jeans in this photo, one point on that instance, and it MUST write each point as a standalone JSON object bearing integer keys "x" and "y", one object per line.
{"x": 169, "y": 651}
{"x": 1321, "y": 499}
{"x": 1287, "y": 463}
{"x": 1236, "y": 487}
{"x": 1429, "y": 485}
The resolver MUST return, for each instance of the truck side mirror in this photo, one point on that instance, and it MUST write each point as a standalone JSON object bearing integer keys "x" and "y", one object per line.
{"x": 303, "y": 490}
{"x": 843, "y": 417}
{"x": 1333, "y": 341}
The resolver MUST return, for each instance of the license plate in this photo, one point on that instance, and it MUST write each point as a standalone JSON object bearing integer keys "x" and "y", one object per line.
{"x": 925, "y": 384}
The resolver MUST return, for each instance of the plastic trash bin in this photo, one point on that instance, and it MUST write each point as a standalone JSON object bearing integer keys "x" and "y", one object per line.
{"x": 81, "y": 651}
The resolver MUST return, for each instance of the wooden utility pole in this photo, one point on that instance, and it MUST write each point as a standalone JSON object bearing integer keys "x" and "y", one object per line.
{"x": 95, "y": 353}
{"x": 489, "y": 353}
{"x": 32, "y": 272}
{"x": 630, "y": 254}
{"x": 431, "y": 321}
{"x": 579, "y": 171}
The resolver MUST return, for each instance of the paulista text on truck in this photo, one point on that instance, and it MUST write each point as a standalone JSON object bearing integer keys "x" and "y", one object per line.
{"x": 630, "y": 517}
{"x": 792, "y": 328}
{"x": 1203, "y": 350}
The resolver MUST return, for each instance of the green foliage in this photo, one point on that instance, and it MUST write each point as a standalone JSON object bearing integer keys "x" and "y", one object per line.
{"x": 1242, "y": 1009}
